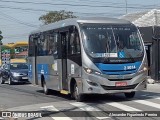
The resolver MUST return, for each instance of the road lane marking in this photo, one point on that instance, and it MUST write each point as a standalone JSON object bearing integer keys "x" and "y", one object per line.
{"x": 101, "y": 118}
{"x": 52, "y": 108}
{"x": 144, "y": 95}
{"x": 158, "y": 98}
{"x": 148, "y": 103}
{"x": 85, "y": 107}
{"x": 123, "y": 107}
{"x": 61, "y": 118}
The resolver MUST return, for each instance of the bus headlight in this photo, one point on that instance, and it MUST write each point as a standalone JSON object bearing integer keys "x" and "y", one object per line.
{"x": 145, "y": 69}
{"x": 88, "y": 70}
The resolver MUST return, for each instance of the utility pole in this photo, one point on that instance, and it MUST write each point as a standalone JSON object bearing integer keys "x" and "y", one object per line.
{"x": 156, "y": 37}
{"x": 126, "y": 6}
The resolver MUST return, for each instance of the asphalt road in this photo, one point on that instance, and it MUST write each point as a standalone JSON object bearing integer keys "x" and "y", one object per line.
{"x": 58, "y": 107}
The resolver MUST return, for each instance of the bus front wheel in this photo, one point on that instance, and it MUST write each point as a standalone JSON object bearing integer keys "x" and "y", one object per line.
{"x": 77, "y": 96}
{"x": 130, "y": 95}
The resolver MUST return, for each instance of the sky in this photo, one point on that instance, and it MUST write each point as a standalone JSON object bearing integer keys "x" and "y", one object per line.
{"x": 18, "y": 18}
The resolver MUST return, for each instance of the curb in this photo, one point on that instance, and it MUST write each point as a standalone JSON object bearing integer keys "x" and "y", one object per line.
{"x": 150, "y": 80}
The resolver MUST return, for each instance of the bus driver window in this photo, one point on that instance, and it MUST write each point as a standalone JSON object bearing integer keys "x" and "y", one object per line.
{"x": 74, "y": 44}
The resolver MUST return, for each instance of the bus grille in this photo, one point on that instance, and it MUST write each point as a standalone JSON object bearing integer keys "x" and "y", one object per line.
{"x": 119, "y": 79}
{"x": 119, "y": 87}
{"x": 119, "y": 72}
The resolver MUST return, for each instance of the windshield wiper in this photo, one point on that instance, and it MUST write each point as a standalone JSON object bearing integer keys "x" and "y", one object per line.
{"x": 107, "y": 44}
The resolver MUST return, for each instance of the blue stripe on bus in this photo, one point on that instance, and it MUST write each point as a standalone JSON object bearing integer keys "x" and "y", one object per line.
{"x": 42, "y": 69}
{"x": 120, "y": 69}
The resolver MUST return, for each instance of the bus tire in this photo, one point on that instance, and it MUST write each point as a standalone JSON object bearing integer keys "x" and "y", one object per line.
{"x": 129, "y": 95}
{"x": 77, "y": 96}
{"x": 45, "y": 89}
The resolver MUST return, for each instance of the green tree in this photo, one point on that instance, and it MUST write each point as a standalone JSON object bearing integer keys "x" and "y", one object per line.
{"x": 54, "y": 16}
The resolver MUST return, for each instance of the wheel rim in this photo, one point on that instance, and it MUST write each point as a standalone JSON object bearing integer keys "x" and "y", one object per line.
{"x": 9, "y": 81}
{"x": 76, "y": 93}
{"x": 45, "y": 87}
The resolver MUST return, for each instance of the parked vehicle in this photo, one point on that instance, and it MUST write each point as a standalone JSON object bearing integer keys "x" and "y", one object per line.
{"x": 14, "y": 73}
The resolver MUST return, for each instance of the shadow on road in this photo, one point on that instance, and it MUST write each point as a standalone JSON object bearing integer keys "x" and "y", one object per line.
{"x": 94, "y": 98}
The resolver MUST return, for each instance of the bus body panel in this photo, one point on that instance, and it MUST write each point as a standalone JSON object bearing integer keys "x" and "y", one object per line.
{"x": 32, "y": 70}
{"x": 50, "y": 68}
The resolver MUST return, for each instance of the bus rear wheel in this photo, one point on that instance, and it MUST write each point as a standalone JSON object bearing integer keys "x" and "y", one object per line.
{"x": 77, "y": 96}
{"x": 130, "y": 95}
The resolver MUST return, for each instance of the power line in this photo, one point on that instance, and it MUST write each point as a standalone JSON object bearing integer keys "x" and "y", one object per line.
{"x": 115, "y": 3}
{"x": 16, "y": 36}
{"x": 16, "y": 20}
{"x": 57, "y": 4}
{"x": 29, "y": 9}
{"x": 26, "y": 9}
{"x": 45, "y": 3}
{"x": 42, "y": 10}
{"x": 80, "y": 5}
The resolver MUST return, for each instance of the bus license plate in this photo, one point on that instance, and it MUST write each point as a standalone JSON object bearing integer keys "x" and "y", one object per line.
{"x": 121, "y": 83}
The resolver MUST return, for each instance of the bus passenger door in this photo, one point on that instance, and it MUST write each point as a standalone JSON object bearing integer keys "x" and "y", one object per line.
{"x": 32, "y": 58}
{"x": 63, "y": 46}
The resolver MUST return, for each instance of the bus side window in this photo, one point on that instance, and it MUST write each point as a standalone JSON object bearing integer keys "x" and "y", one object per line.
{"x": 41, "y": 45}
{"x": 71, "y": 46}
{"x": 44, "y": 44}
{"x": 55, "y": 45}
{"x": 77, "y": 43}
{"x": 50, "y": 44}
{"x": 31, "y": 46}
{"x": 74, "y": 43}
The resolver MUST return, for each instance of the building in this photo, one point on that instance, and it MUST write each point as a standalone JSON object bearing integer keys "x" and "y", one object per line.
{"x": 149, "y": 26}
{"x": 17, "y": 52}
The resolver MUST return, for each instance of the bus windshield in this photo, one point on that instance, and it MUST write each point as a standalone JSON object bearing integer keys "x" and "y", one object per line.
{"x": 112, "y": 41}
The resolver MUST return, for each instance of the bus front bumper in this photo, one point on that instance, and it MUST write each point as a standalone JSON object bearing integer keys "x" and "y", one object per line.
{"x": 98, "y": 88}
